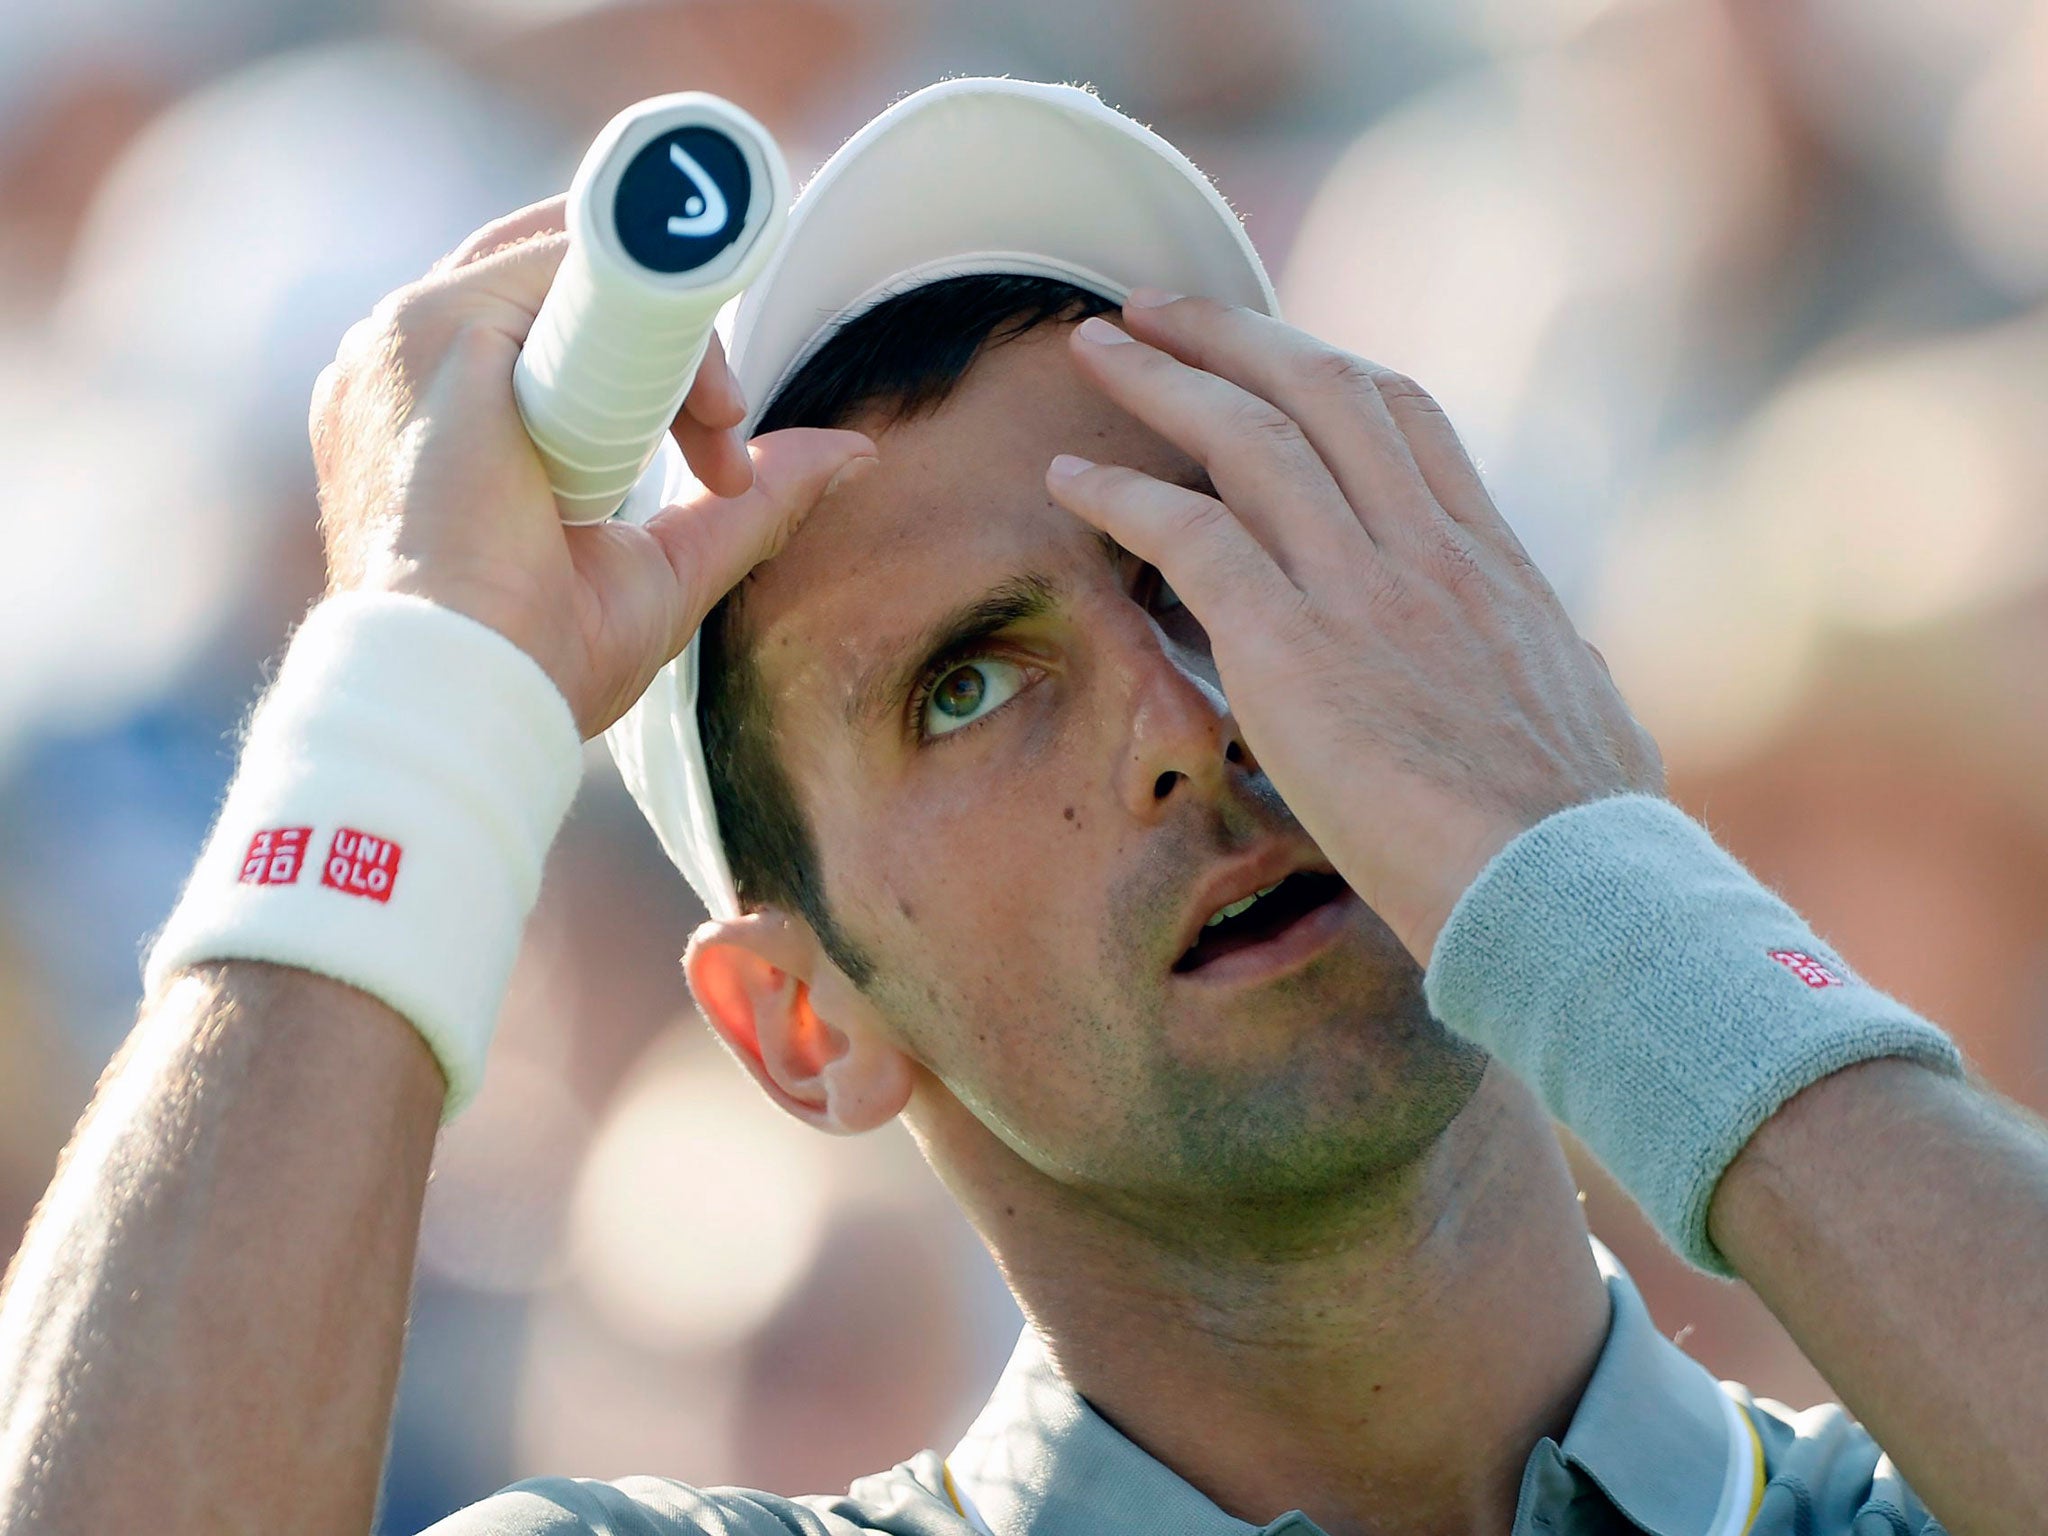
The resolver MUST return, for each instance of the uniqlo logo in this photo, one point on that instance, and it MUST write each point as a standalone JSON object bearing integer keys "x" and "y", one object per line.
{"x": 1813, "y": 972}
{"x": 362, "y": 865}
{"x": 275, "y": 856}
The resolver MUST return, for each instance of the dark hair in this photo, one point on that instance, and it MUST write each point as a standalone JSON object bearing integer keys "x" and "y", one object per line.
{"x": 898, "y": 360}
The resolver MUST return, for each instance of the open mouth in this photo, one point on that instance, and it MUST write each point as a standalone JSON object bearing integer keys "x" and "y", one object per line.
{"x": 1259, "y": 918}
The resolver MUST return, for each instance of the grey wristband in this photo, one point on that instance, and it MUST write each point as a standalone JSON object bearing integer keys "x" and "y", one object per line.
{"x": 1661, "y": 1001}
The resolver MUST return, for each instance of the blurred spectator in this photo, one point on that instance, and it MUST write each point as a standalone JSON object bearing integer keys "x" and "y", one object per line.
{"x": 1548, "y": 243}
{"x": 762, "y": 1278}
{"x": 256, "y": 220}
{"x": 1883, "y": 488}
{"x": 803, "y": 67}
{"x": 223, "y": 255}
{"x": 1995, "y": 169}
{"x": 76, "y": 82}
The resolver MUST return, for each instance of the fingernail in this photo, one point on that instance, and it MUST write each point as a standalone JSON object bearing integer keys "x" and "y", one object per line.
{"x": 1101, "y": 332}
{"x": 1143, "y": 297}
{"x": 847, "y": 473}
{"x": 1066, "y": 465}
{"x": 734, "y": 395}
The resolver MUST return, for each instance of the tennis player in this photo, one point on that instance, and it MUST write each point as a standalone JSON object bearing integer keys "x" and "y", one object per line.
{"x": 1121, "y": 738}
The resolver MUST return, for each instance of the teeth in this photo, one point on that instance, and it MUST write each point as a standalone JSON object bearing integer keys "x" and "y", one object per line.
{"x": 1240, "y": 906}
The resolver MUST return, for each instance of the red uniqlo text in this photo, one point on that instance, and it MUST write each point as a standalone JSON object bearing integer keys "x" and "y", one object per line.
{"x": 362, "y": 865}
{"x": 1814, "y": 973}
{"x": 275, "y": 856}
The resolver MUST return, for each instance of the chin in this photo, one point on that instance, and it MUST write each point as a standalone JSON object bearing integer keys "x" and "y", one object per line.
{"x": 1332, "y": 1104}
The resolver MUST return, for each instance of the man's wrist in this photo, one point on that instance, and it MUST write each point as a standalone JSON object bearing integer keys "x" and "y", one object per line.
{"x": 1661, "y": 1001}
{"x": 387, "y": 826}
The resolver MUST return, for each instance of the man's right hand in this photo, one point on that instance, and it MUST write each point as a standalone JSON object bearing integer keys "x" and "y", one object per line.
{"x": 429, "y": 485}
{"x": 203, "y": 1327}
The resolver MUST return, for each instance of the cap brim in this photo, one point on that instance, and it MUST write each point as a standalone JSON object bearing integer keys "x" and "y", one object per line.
{"x": 980, "y": 175}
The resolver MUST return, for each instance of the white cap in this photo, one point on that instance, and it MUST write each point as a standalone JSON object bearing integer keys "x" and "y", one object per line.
{"x": 969, "y": 176}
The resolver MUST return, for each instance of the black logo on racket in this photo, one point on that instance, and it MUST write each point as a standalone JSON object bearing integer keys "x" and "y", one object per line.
{"x": 682, "y": 200}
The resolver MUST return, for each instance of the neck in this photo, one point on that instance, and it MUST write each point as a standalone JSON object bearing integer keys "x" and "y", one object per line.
{"x": 1389, "y": 1383}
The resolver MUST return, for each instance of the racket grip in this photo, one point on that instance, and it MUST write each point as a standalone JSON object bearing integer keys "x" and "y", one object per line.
{"x": 677, "y": 206}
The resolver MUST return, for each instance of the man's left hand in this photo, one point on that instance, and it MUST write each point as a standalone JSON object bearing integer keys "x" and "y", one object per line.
{"x": 1399, "y": 667}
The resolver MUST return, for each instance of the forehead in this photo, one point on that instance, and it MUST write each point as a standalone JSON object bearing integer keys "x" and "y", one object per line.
{"x": 956, "y": 504}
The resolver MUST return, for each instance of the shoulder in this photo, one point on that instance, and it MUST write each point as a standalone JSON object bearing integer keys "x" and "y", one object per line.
{"x": 1825, "y": 1475}
{"x": 899, "y": 1502}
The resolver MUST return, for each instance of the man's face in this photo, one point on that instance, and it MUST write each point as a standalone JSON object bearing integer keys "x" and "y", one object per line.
{"x": 1025, "y": 831}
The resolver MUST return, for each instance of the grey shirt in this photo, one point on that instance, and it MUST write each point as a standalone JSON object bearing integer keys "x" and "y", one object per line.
{"x": 1657, "y": 1445}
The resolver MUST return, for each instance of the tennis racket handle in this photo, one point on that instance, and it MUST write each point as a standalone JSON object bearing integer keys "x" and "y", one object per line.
{"x": 678, "y": 205}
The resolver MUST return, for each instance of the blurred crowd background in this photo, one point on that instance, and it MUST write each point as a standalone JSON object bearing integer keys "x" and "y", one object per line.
{"x": 1742, "y": 305}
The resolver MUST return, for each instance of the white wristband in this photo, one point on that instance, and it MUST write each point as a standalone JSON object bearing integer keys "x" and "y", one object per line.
{"x": 397, "y": 794}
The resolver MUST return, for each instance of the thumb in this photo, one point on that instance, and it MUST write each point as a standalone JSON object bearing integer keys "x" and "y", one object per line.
{"x": 712, "y": 541}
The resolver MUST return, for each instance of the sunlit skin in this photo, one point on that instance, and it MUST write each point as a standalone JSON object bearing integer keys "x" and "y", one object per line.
{"x": 1298, "y": 1202}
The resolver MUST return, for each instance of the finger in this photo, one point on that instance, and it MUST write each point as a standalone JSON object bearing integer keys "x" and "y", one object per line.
{"x": 510, "y": 282}
{"x": 1263, "y": 467}
{"x": 711, "y": 541}
{"x": 1330, "y": 394}
{"x": 717, "y": 456}
{"x": 546, "y": 217}
{"x": 1448, "y": 470}
{"x": 708, "y": 427}
{"x": 1209, "y": 558}
{"x": 715, "y": 398}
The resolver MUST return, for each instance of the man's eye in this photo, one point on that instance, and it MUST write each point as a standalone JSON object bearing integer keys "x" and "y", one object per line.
{"x": 970, "y": 691}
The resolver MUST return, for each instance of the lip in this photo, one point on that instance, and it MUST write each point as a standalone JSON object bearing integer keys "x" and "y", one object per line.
{"x": 1234, "y": 882}
{"x": 1288, "y": 950}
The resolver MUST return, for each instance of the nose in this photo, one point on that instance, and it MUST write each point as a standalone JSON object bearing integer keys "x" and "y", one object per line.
{"x": 1182, "y": 741}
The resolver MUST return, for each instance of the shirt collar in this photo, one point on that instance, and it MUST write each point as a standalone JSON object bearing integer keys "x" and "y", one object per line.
{"x": 1653, "y": 1431}
{"x": 1040, "y": 1462}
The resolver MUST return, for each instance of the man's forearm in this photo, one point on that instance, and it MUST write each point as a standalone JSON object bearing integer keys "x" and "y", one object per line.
{"x": 203, "y": 1327}
{"x": 1896, "y": 1221}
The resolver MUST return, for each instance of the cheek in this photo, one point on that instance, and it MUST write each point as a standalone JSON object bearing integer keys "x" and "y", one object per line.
{"x": 980, "y": 877}
{"x": 984, "y": 897}
{"x": 978, "y": 847}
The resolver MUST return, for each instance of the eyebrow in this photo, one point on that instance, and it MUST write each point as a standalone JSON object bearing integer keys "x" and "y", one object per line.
{"x": 957, "y": 631}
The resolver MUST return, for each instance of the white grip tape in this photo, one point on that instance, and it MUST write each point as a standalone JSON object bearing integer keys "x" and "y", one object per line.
{"x": 397, "y": 794}
{"x": 616, "y": 345}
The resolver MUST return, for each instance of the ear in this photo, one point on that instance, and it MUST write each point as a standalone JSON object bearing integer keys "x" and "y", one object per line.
{"x": 811, "y": 1039}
